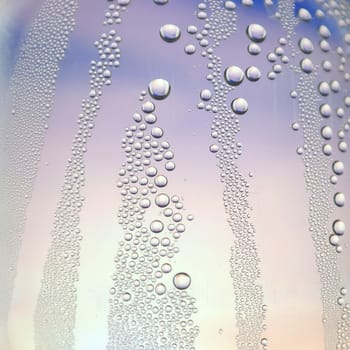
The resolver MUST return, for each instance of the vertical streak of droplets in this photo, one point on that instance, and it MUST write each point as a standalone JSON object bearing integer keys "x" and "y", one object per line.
{"x": 317, "y": 169}
{"x": 245, "y": 272}
{"x": 56, "y": 305}
{"x": 31, "y": 95}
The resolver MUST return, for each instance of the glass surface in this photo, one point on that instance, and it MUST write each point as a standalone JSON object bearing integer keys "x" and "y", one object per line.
{"x": 174, "y": 174}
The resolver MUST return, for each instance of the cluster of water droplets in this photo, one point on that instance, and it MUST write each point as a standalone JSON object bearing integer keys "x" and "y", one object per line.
{"x": 219, "y": 20}
{"x": 322, "y": 105}
{"x": 56, "y": 305}
{"x": 32, "y": 89}
{"x": 150, "y": 307}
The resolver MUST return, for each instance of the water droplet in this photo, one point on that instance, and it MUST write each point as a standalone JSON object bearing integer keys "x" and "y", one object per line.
{"x": 230, "y": 5}
{"x": 233, "y": 75}
{"x": 338, "y": 167}
{"x": 205, "y": 94}
{"x": 253, "y": 73}
{"x": 150, "y": 118}
{"x": 239, "y": 105}
{"x": 166, "y": 268}
{"x": 327, "y": 132}
{"x": 126, "y": 297}
{"x": 162, "y": 200}
{"x": 159, "y": 89}
{"x": 157, "y": 226}
{"x": 306, "y": 45}
{"x": 325, "y": 110}
{"x": 324, "y": 31}
{"x": 190, "y": 49}
{"x": 304, "y": 15}
{"x": 161, "y": 181}
{"x": 157, "y": 132}
{"x": 254, "y": 49}
{"x": 148, "y": 107}
{"x": 170, "y": 33}
{"x": 334, "y": 240}
{"x": 182, "y": 280}
{"x": 339, "y": 227}
{"x": 256, "y": 33}
{"x": 160, "y": 2}
{"x": 327, "y": 149}
{"x": 306, "y": 65}
{"x": 160, "y": 289}
{"x": 214, "y": 148}
{"x": 339, "y": 199}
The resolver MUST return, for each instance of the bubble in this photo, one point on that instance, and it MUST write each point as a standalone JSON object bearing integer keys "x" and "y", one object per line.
{"x": 233, "y": 75}
{"x": 239, "y": 105}
{"x": 327, "y": 132}
{"x": 338, "y": 167}
{"x": 256, "y": 33}
{"x": 254, "y": 49}
{"x": 182, "y": 280}
{"x": 161, "y": 181}
{"x": 190, "y": 49}
{"x": 306, "y": 45}
{"x": 159, "y": 89}
{"x": 157, "y": 226}
{"x": 326, "y": 65}
{"x": 253, "y": 73}
{"x": 162, "y": 200}
{"x": 160, "y": 2}
{"x": 160, "y": 289}
{"x": 306, "y": 65}
{"x": 325, "y": 110}
{"x": 126, "y": 297}
{"x": 339, "y": 199}
{"x": 334, "y": 240}
{"x": 339, "y": 227}
{"x": 148, "y": 107}
{"x": 205, "y": 94}
{"x": 304, "y": 15}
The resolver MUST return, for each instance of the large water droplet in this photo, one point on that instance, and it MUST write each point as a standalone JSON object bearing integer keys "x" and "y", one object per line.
{"x": 182, "y": 280}
{"x": 239, "y": 105}
{"x": 159, "y": 89}
{"x": 339, "y": 199}
{"x": 256, "y": 33}
{"x": 339, "y": 227}
{"x": 170, "y": 33}
{"x": 233, "y": 75}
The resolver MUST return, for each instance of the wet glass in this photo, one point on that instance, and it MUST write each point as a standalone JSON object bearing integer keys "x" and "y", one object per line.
{"x": 174, "y": 174}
